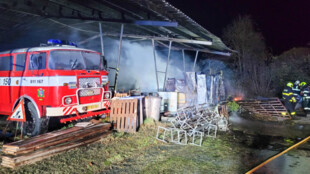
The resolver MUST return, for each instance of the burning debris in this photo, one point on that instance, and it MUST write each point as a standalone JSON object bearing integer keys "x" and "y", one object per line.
{"x": 238, "y": 98}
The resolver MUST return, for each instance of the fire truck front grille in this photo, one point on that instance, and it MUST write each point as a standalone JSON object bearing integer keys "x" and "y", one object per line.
{"x": 89, "y": 92}
{"x": 89, "y": 82}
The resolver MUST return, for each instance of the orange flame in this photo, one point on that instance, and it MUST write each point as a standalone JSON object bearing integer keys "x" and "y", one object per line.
{"x": 237, "y": 98}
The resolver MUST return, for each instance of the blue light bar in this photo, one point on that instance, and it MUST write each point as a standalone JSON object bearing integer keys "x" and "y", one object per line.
{"x": 54, "y": 42}
{"x": 60, "y": 42}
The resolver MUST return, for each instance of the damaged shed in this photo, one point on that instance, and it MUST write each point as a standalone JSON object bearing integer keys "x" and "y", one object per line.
{"x": 150, "y": 46}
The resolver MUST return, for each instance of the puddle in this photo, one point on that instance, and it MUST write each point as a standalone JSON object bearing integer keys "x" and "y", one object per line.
{"x": 267, "y": 139}
{"x": 286, "y": 164}
{"x": 269, "y": 128}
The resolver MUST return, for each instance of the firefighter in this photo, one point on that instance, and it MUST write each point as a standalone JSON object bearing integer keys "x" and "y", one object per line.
{"x": 289, "y": 99}
{"x": 296, "y": 91}
{"x": 305, "y": 93}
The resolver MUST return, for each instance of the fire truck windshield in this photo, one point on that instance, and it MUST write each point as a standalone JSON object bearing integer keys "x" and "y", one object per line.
{"x": 74, "y": 60}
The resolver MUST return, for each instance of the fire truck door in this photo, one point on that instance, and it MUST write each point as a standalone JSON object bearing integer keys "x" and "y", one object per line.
{"x": 39, "y": 78}
{"x": 37, "y": 64}
{"x": 6, "y": 64}
{"x": 17, "y": 76}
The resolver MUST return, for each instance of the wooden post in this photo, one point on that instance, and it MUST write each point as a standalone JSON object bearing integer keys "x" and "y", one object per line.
{"x": 119, "y": 57}
{"x": 184, "y": 65}
{"x": 194, "y": 67}
{"x": 21, "y": 131}
{"x": 169, "y": 51}
{"x": 154, "y": 53}
{"x": 141, "y": 111}
{"x": 16, "y": 131}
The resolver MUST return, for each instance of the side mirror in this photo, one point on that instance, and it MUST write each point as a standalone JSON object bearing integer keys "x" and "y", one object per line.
{"x": 105, "y": 63}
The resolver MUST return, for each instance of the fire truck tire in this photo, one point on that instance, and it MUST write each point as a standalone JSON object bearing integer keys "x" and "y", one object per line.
{"x": 34, "y": 125}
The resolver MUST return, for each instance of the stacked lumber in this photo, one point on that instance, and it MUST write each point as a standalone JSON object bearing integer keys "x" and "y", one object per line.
{"x": 272, "y": 107}
{"x": 43, "y": 146}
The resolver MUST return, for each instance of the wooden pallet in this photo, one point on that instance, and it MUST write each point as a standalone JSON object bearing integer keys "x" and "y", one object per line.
{"x": 43, "y": 146}
{"x": 120, "y": 95}
{"x": 272, "y": 107}
{"x": 124, "y": 113}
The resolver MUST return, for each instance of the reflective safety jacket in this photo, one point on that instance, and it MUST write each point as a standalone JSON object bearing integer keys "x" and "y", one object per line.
{"x": 305, "y": 92}
{"x": 296, "y": 90}
{"x": 288, "y": 94}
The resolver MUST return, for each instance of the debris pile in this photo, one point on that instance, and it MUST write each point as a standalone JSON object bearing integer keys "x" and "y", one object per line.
{"x": 192, "y": 124}
{"x": 271, "y": 108}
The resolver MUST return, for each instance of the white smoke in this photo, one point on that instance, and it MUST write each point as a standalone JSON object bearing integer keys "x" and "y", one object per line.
{"x": 137, "y": 69}
{"x": 212, "y": 66}
{"x": 137, "y": 66}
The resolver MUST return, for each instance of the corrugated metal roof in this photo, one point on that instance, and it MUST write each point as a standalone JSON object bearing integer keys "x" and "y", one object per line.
{"x": 20, "y": 14}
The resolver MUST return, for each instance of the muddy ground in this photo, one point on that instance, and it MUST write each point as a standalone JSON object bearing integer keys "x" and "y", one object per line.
{"x": 142, "y": 153}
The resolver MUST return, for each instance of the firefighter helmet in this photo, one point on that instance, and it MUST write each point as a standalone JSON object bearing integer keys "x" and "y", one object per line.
{"x": 290, "y": 84}
{"x": 297, "y": 82}
{"x": 302, "y": 84}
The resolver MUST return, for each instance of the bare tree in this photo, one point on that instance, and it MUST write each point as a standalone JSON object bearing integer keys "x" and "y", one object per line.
{"x": 251, "y": 59}
{"x": 291, "y": 65}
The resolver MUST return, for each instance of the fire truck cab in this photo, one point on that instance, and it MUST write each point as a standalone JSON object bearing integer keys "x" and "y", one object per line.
{"x": 54, "y": 80}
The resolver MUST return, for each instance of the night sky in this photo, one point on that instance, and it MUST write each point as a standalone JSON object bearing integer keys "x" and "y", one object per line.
{"x": 284, "y": 23}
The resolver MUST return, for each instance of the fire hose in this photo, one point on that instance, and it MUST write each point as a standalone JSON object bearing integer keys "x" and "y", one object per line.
{"x": 276, "y": 156}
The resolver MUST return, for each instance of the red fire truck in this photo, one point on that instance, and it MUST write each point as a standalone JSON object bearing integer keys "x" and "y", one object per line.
{"x": 55, "y": 80}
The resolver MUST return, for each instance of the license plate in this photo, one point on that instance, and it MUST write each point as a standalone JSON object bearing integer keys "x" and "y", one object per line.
{"x": 92, "y": 107}
{"x": 90, "y": 92}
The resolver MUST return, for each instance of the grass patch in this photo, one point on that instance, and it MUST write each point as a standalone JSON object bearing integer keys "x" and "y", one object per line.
{"x": 68, "y": 126}
{"x": 116, "y": 158}
{"x": 141, "y": 153}
{"x": 149, "y": 121}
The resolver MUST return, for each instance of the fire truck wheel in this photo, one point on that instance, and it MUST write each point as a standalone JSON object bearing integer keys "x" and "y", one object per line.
{"x": 44, "y": 124}
{"x": 34, "y": 125}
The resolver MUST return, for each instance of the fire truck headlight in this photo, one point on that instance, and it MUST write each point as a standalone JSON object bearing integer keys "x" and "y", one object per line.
{"x": 68, "y": 100}
{"x": 107, "y": 95}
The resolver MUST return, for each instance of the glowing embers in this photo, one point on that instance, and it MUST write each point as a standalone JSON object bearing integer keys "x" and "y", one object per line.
{"x": 237, "y": 98}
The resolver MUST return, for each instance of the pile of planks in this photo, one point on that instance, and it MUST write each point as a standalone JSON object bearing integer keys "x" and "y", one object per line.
{"x": 43, "y": 146}
{"x": 272, "y": 107}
